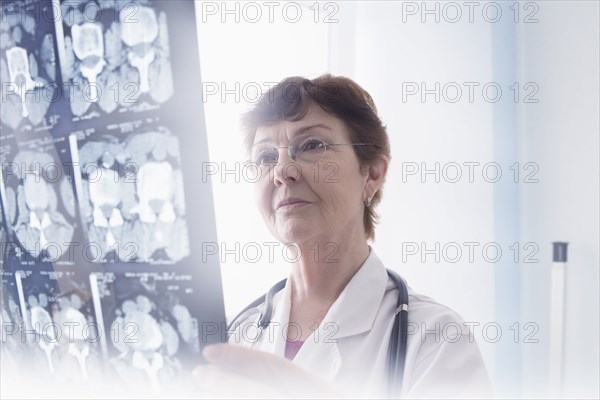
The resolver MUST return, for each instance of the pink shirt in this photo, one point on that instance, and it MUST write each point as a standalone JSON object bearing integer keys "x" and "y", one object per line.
{"x": 292, "y": 347}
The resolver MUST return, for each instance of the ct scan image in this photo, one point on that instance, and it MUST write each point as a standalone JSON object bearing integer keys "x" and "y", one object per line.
{"x": 40, "y": 204}
{"x": 116, "y": 57}
{"x": 132, "y": 198}
{"x": 152, "y": 330}
{"x": 57, "y": 308}
{"x": 13, "y": 350}
{"x": 28, "y": 65}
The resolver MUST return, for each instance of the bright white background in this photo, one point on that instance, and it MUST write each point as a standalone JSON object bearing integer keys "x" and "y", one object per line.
{"x": 381, "y": 46}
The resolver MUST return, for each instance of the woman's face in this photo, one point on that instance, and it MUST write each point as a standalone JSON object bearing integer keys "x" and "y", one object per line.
{"x": 325, "y": 199}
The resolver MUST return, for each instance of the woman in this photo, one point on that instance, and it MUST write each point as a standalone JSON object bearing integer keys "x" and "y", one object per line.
{"x": 323, "y": 154}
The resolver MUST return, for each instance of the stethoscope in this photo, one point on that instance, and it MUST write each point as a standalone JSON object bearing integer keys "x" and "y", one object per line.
{"x": 398, "y": 340}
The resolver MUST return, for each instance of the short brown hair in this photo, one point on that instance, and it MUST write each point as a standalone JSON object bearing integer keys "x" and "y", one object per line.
{"x": 339, "y": 96}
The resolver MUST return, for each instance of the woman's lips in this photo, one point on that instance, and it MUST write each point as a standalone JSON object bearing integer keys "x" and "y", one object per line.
{"x": 289, "y": 204}
{"x": 292, "y": 206}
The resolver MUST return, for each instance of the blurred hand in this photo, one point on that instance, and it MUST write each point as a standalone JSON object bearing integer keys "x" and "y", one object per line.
{"x": 236, "y": 371}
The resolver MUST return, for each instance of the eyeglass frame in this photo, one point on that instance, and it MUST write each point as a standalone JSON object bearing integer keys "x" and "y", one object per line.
{"x": 293, "y": 156}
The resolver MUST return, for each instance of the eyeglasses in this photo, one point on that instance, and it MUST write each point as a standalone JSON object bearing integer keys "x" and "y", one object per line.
{"x": 302, "y": 149}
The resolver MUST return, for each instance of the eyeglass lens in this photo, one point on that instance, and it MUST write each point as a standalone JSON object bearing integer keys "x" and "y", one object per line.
{"x": 302, "y": 149}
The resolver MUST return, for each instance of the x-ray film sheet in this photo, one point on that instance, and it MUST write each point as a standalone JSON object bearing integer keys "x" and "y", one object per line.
{"x": 96, "y": 191}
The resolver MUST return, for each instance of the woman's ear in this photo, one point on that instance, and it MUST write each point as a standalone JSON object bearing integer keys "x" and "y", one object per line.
{"x": 376, "y": 173}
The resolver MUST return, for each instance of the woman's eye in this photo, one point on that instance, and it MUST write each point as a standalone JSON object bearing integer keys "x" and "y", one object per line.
{"x": 312, "y": 144}
{"x": 266, "y": 158}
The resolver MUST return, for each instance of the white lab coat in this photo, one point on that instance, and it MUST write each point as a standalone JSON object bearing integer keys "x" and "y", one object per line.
{"x": 350, "y": 346}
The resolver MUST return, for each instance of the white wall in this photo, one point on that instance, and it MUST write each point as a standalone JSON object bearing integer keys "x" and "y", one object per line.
{"x": 561, "y": 133}
{"x": 373, "y": 45}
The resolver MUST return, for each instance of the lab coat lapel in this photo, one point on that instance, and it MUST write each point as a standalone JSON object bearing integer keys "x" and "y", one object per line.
{"x": 351, "y": 314}
{"x": 320, "y": 356}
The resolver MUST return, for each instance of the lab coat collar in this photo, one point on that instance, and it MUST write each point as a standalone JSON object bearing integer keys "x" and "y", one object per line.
{"x": 352, "y": 313}
{"x": 355, "y": 309}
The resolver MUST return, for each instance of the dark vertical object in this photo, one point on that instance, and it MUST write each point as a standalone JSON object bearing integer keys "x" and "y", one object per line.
{"x": 557, "y": 319}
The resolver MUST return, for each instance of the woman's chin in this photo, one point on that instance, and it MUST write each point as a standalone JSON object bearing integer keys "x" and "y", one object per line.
{"x": 297, "y": 231}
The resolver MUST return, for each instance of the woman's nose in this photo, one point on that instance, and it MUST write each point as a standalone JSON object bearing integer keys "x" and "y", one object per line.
{"x": 286, "y": 170}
